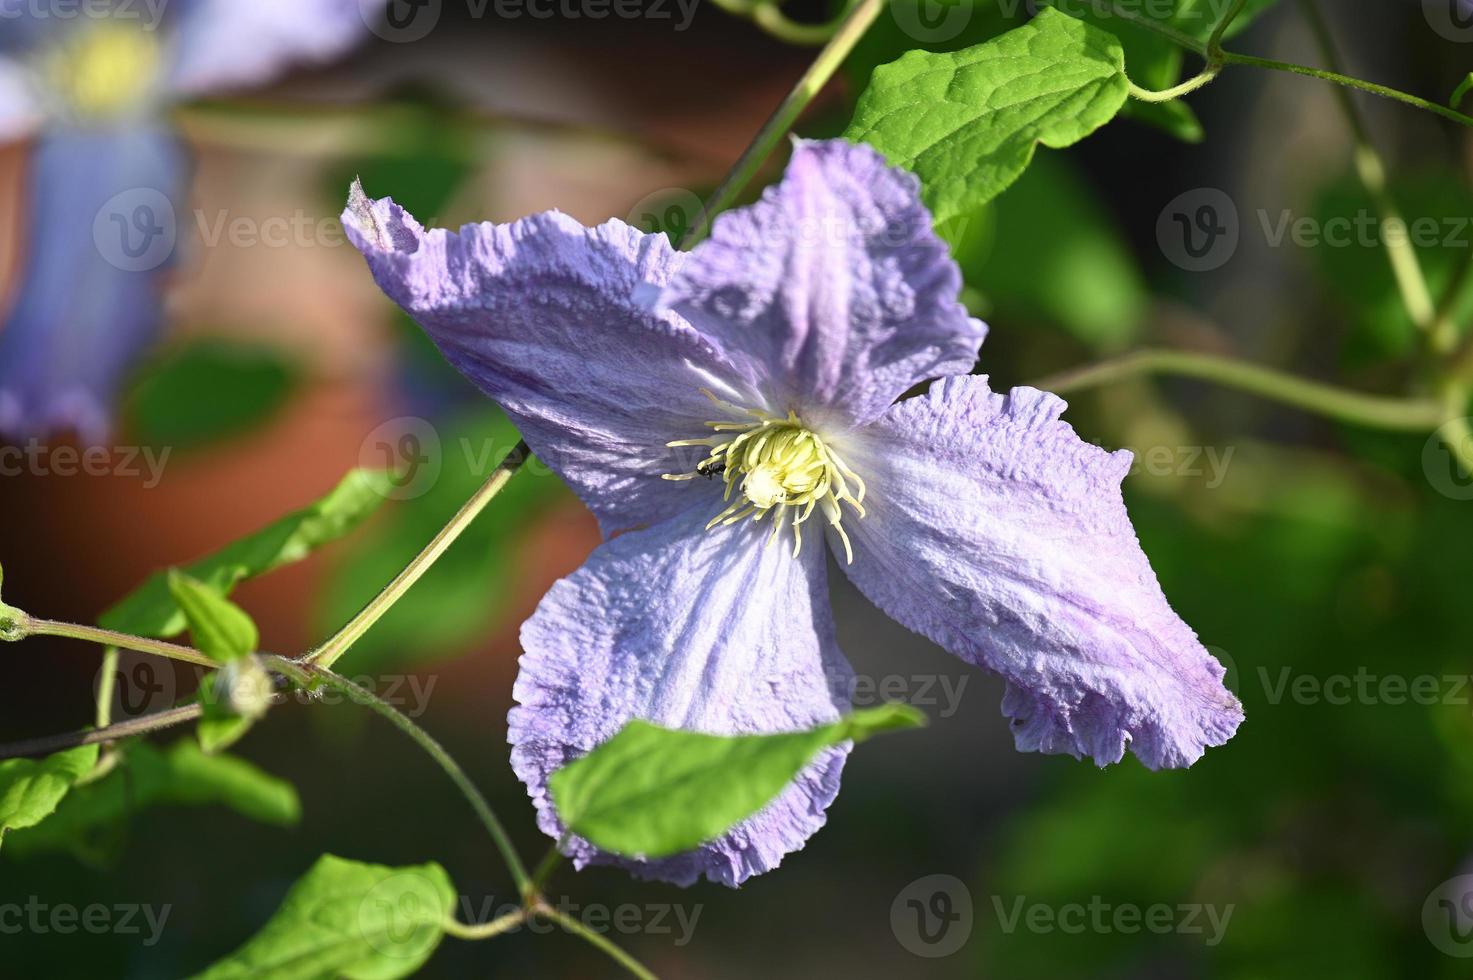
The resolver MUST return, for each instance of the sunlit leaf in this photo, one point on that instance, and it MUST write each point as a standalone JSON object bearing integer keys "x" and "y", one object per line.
{"x": 968, "y": 122}
{"x": 652, "y": 791}
{"x": 346, "y": 919}
{"x": 31, "y": 789}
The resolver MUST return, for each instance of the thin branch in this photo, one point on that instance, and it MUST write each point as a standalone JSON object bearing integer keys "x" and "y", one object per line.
{"x": 486, "y": 930}
{"x": 1349, "y": 406}
{"x": 814, "y": 79}
{"x": 365, "y": 697}
{"x": 36, "y": 747}
{"x": 1406, "y": 268}
{"x": 31, "y": 626}
{"x": 339, "y": 644}
{"x": 572, "y": 925}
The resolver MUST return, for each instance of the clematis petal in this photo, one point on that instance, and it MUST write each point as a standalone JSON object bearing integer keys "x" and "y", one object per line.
{"x": 102, "y": 229}
{"x": 832, "y": 293}
{"x": 711, "y": 632}
{"x": 542, "y": 315}
{"x": 226, "y": 44}
{"x": 1000, "y": 535}
{"x": 19, "y": 111}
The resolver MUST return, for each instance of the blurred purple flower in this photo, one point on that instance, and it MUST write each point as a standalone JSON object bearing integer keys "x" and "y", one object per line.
{"x": 108, "y": 174}
{"x": 755, "y": 381}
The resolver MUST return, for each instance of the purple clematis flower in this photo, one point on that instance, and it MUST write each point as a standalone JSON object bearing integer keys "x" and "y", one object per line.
{"x": 108, "y": 175}
{"x": 729, "y": 409}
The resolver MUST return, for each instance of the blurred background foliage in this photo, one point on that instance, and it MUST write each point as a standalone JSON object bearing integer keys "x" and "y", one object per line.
{"x": 1318, "y": 551}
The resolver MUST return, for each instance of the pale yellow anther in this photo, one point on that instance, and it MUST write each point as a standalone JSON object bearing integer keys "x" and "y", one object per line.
{"x": 105, "y": 70}
{"x": 779, "y": 466}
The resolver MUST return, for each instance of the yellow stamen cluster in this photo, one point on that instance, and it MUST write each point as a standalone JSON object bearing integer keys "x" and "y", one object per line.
{"x": 781, "y": 467}
{"x": 106, "y": 70}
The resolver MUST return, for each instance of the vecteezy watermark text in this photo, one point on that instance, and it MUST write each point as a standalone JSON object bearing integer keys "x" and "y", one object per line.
{"x": 36, "y": 458}
{"x": 1103, "y": 917}
{"x": 41, "y": 918}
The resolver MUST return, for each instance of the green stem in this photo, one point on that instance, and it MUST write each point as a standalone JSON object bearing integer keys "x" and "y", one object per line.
{"x": 769, "y": 16}
{"x": 30, "y": 626}
{"x": 1457, "y": 434}
{"x": 1446, "y": 323}
{"x": 1212, "y": 69}
{"x": 339, "y": 644}
{"x": 36, "y": 747}
{"x": 107, "y": 681}
{"x": 1109, "y": 8}
{"x": 1386, "y": 92}
{"x": 548, "y": 865}
{"x": 1369, "y": 410}
{"x": 1177, "y": 91}
{"x": 828, "y": 61}
{"x": 486, "y": 930}
{"x": 572, "y": 925}
{"x": 367, "y": 698}
{"x": 1411, "y": 281}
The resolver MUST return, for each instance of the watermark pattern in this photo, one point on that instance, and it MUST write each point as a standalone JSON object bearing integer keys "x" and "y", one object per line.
{"x": 1441, "y": 466}
{"x": 1207, "y": 463}
{"x": 148, "y": 12}
{"x": 1365, "y": 687}
{"x": 1453, "y": 19}
{"x": 1101, "y": 917}
{"x": 1447, "y": 917}
{"x": 932, "y": 916}
{"x": 97, "y": 919}
{"x": 406, "y": 21}
{"x": 412, "y": 449}
{"x": 36, "y": 458}
{"x": 942, "y": 692}
{"x": 1199, "y": 230}
{"x": 143, "y": 685}
{"x": 136, "y": 230}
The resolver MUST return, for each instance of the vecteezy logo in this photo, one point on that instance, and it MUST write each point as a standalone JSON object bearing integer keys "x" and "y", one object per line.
{"x": 400, "y": 916}
{"x": 1198, "y": 231}
{"x": 400, "y": 21}
{"x": 1229, "y": 666}
{"x": 409, "y": 448}
{"x": 672, "y": 210}
{"x": 1447, "y": 917}
{"x": 136, "y": 230}
{"x": 139, "y": 685}
{"x": 932, "y": 916}
{"x": 1443, "y": 468}
{"x": 932, "y": 21}
{"x": 1453, "y": 19}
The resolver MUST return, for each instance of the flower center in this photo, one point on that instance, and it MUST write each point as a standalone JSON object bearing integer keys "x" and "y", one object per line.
{"x": 779, "y": 466}
{"x": 104, "y": 71}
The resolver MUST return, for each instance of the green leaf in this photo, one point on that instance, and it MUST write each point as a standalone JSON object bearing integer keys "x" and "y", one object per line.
{"x": 217, "y": 733}
{"x": 209, "y": 391}
{"x": 221, "y": 630}
{"x": 652, "y": 791}
{"x": 146, "y": 777}
{"x": 968, "y": 122}
{"x": 151, "y": 610}
{"x": 346, "y": 919}
{"x": 31, "y": 789}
